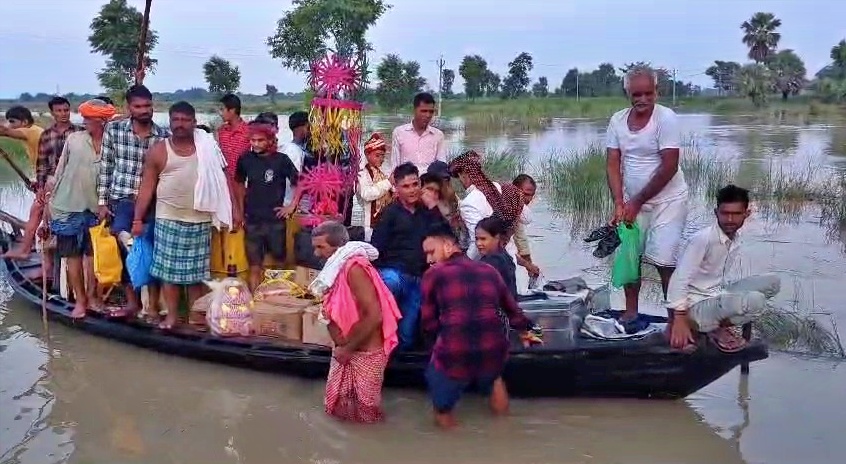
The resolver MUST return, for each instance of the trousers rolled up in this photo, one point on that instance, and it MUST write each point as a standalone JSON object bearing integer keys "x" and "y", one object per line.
{"x": 740, "y": 302}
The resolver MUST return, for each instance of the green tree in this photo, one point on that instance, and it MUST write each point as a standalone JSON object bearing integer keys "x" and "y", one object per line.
{"x": 759, "y": 34}
{"x": 837, "y": 68}
{"x": 755, "y": 81}
{"x": 447, "y": 80}
{"x": 221, "y": 76}
{"x": 492, "y": 84}
{"x": 517, "y": 81}
{"x": 724, "y": 74}
{"x": 473, "y": 70}
{"x": 271, "y": 91}
{"x": 314, "y": 27}
{"x": 569, "y": 83}
{"x": 115, "y": 33}
{"x": 541, "y": 88}
{"x": 788, "y": 72}
{"x": 398, "y": 82}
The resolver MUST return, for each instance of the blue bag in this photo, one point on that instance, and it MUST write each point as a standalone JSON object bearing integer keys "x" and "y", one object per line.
{"x": 139, "y": 260}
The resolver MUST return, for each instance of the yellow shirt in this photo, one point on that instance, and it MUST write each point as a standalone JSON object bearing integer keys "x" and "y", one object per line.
{"x": 32, "y": 134}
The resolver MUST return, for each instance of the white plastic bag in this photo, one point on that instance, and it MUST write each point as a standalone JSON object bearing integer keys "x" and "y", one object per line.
{"x": 229, "y": 314}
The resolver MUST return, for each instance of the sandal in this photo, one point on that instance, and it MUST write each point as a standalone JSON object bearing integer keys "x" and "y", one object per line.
{"x": 727, "y": 341}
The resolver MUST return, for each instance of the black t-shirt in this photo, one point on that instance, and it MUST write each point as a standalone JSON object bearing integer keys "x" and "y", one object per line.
{"x": 265, "y": 177}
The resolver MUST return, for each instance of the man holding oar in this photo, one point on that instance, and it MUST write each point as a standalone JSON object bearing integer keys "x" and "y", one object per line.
{"x": 21, "y": 126}
{"x": 645, "y": 180}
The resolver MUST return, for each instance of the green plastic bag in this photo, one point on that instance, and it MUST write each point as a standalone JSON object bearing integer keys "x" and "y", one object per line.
{"x": 626, "y": 268}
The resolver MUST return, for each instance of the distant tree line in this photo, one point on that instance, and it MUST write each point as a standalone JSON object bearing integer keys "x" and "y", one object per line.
{"x": 776, "y": 71}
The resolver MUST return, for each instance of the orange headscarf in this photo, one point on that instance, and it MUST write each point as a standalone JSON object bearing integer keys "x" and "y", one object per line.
{"x": 97, "y": 109}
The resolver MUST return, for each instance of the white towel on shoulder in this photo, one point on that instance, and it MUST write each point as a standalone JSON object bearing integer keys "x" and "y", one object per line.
{"x": 211, "y": 194}
{"x": 327, "y": 276}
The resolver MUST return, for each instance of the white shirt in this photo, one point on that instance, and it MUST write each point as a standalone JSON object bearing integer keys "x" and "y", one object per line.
{"x": 296, "y": 155}
{"x": 641, "y": 155}
{"x": 702, "y": 270}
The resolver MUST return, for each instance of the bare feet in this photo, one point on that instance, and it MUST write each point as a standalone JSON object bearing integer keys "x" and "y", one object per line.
{"x": 445, "y": 420}
{"x": 498, "y": 401}
{"x": 169, "y": 321}
{"x": 78, "y": 310}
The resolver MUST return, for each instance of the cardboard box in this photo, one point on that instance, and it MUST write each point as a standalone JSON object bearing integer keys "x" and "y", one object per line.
{"x": 303, "y": 276}
{"x": 280, "y": 320}
{"x": 314, "y": 331}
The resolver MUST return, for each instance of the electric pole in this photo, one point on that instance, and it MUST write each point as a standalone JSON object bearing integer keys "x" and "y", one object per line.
{"x": 440, "y": 83}
{"x": 577, "y": 84}
{"x": 674, "y": 87}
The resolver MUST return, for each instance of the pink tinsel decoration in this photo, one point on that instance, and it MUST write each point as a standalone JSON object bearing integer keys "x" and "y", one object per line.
{"x": 324, "y": 183}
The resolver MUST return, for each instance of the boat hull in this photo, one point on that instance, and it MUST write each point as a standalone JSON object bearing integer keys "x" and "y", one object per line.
{"x": 589, "y": 368}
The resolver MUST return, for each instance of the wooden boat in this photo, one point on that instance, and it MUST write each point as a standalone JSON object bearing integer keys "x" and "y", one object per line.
{"x": 565, "y": 366}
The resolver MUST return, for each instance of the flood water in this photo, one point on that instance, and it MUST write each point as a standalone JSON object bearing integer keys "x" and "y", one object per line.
{"x": 74, "y": 398}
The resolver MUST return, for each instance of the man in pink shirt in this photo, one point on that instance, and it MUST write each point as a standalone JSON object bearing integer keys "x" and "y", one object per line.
{"x": 417, "y": 142}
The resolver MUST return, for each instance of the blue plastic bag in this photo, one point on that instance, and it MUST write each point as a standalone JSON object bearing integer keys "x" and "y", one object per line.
{"x": 626, "y": 267}
{"x": 139, "y": 260}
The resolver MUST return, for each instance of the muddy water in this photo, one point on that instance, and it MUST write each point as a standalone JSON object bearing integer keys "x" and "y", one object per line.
{"x": 75, "y": 398}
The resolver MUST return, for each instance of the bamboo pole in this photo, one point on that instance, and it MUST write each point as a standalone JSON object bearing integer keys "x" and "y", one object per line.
{"x": 142, "y": 44}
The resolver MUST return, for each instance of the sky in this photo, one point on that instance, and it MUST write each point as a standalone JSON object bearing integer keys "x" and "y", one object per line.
{"x": 45, "y": 47}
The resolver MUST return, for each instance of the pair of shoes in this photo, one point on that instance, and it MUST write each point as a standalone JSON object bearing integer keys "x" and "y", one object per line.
{"x": 607, "y": 238}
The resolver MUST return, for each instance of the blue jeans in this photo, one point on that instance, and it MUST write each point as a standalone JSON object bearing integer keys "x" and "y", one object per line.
{"x": 406, "y": 290}
{"x": 445, "y": 392}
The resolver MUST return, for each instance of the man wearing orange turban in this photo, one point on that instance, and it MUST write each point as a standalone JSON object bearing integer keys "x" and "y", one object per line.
{"x": 72, "y": 194}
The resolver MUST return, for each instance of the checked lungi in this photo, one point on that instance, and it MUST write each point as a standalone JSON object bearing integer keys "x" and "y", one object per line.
{"x": 181, "y": 252}
{"x": 354, "y": 390}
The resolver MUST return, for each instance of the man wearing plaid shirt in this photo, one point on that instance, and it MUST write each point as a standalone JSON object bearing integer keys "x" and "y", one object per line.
{"x": 459, "y": 311}
{"x": 125, "y": 145}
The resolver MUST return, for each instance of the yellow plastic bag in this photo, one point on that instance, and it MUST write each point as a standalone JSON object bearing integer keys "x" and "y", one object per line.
{"x": 107, "y": 264}
{"x": 228, "y": 254}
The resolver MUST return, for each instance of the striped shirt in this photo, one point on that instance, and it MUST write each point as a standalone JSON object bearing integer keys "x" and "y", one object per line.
{"x": 50, "y": 146}
{"x": 234, "y": 141}
{"x": 122, "y": 160}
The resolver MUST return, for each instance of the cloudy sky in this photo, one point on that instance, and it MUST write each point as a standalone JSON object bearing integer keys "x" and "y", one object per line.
{"x": 45, "y": 44}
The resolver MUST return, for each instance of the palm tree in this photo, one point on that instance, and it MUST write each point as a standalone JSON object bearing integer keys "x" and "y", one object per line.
{"x": 759, "y": 34}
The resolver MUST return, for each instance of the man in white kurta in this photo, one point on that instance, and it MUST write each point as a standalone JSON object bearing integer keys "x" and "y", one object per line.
{"x": 643, "y": 145}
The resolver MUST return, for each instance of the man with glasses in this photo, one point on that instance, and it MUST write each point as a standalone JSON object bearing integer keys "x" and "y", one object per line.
{"x": 646, "y": 183}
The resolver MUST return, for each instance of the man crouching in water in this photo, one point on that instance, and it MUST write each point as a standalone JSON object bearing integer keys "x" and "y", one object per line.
{"x": 460, "y": 301}
{"x": 362, "y": 316}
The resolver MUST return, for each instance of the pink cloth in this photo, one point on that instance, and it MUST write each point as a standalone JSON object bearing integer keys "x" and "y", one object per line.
{"x": 421, "y": 150}
{"x": 340, "y": 306}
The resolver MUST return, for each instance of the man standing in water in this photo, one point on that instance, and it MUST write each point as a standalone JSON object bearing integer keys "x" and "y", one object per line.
{"x": 182, "y": 235}
{"x": 125, "y": 144}
{"x": 418, "y": 142}
{"x": 459, "y": 312}
{"x": 50, "y": 144}
{"x": 646, "y": 183}
{"x": 362, "y": 317}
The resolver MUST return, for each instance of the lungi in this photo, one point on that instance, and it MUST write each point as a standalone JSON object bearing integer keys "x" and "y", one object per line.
{"x": 354, "y": 390}
{"x": 181, "y": 252}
